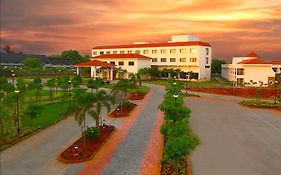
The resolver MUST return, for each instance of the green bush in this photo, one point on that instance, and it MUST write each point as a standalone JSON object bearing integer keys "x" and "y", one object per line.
{"x": 92, "y": 133}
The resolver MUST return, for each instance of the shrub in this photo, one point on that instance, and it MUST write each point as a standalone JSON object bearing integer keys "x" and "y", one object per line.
{"x": 92, "y": 133}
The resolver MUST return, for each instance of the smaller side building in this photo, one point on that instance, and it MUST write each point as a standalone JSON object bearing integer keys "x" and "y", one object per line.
{"x": 249, "y": 70}
{"x": 115, "y": 66}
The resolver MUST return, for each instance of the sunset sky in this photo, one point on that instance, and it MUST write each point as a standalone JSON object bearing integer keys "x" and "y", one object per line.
{"x": 232, "y": 27}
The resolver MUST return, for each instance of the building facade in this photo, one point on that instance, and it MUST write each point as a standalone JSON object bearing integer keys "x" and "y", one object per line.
{"x": 184, "y": 52}
{"x": 248, "y": 70}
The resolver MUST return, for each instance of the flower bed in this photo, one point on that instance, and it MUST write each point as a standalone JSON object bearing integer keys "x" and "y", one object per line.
{"x": 168, "y": 169}
{"x": 136, "y": 95}
{"x": 241, "y": 92}
{"x": 122, "y": 112}
{"x": 88, "y": 151}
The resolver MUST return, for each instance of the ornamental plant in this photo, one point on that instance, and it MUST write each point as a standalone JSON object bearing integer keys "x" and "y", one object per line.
{"x": 92, "y": 133}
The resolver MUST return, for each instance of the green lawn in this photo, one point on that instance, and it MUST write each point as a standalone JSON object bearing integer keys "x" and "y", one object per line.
{"x": 49, "y": 114}
{"x": 211, "y": 83}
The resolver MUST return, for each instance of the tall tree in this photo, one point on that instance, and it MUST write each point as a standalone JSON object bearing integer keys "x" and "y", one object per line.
{"x": 32, "y": 62}
{"x": 216, "y": 65}
{"x": 95, "y": 83}
{"x": 74, "y": 56}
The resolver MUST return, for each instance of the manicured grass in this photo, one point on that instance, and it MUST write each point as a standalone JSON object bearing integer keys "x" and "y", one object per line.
{"x": 212, "y": 83}
{"x": 49, "y": 114}
{"x": 260, "y": 104}
{"x": 143, "y": 89}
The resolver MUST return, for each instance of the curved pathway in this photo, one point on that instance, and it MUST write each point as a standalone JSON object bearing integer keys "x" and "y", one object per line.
{"x": 234, "y": 139}
{"x": 129, "y": 154}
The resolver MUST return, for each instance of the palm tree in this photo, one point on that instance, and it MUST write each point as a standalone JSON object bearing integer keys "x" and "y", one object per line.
{"x": 133, "y": 80}
{"x": 123, "y": 87}
{"x": 51, "y": 83}
{"x": 101, "y": 99}
{"x": 85, "y": 103}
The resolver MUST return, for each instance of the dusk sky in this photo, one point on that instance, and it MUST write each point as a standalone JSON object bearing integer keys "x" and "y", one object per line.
{"x": 232, "y": 27}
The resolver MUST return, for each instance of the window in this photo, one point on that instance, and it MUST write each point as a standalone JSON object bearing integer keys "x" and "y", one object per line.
{"x": 131, "y": 63}
{"x": 154, "y": 60}
{"x": 121, "y": 63}
{"x": 107, "y": 52}
{"x": 154, "y": 51}
{"x": 137, "y": 51}
{"x": 240, "y": 81}
{"x": 193, "y": 59}
{"x": 274, "y": 69}
{"x": 172, "y": 50}
{"x": 240, "y": 71}
{"x": 163, "y": 59}
{"x": 129, "y": 51}
{"x": 145, "y": 51}
{"x": 163, "y": 51}
{"x": 101, "y": 52}
{"x": 182, "y": 50}
{"x": 193, "y": 50}
{"x": 95, "y": 52}
{"x": 122, "y": 52}
{"x": 112, "y": 62}
{"x": 182, "y": 59}
{"x": 207, "y": 60}
{"x": 207, "y": 51}
{"x": 172, "y": 59}
{"x": 115, "y": 52}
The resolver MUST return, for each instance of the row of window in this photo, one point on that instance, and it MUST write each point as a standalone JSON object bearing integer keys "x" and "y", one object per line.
{"x": 173, "y": 60}
{"x": 153, "y": 51}
{"x": 121, "y": 63}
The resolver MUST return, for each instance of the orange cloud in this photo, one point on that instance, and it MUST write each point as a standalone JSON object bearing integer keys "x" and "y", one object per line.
{"x": 232, "y": 27}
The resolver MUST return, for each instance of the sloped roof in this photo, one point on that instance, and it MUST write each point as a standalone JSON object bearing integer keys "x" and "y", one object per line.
{"x": 275, "y": 62}
{"x": 252, "y": 54}
{"x": 60, "y": 61}
{"x": 94, "y": 63}
{"x": 253, "y": 61}
{"x": 12, "y": 58}
{"x": 122, "y": 56}
{"x": 189, "y": 43}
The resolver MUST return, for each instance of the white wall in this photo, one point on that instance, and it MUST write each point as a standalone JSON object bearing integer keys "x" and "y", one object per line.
{"x": 200, "y": 55}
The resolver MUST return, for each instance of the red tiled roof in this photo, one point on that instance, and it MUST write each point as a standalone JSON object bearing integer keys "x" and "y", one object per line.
{"x": 122, "y": 56}
{"x": 252, "y": 54}
{"x": 94, "y": 63}
{"x": 275, "y": 62}
{"x": 253, "y": 61}
{"x": 189, "y": 43}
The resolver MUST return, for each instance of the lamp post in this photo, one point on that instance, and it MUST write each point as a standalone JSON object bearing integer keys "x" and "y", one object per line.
{"x": 174, "y": 84}
{"x": 176, "y": 97}
{"x": 13, "y": 78}
{"x": 275, "y": 86}
{"x": 18, "y": 118}
{"x": 76, "y": 150}
{"x": 69, "y": 92}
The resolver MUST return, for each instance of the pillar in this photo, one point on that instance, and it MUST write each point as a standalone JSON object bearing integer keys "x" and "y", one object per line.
{"x": 93, "y": 72}
{"x": 77, "y": 70}
{"x": 111, "y": 73}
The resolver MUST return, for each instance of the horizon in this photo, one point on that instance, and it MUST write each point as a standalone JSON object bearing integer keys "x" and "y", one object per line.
{"x": 232, "y": 28}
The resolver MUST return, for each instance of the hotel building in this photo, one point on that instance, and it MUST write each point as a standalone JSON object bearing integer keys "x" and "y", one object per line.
{"x": 250, "y": 69}
{"x": 184, "y": 52}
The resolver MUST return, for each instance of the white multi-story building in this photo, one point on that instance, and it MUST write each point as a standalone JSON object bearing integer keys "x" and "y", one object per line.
{"x": 249, "y": 69}
{"x": 184, "y": 52}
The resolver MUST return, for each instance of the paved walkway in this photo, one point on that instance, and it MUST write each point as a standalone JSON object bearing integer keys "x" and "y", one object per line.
{"x": 235, "y": 139}
{"x": 38, "y": 154}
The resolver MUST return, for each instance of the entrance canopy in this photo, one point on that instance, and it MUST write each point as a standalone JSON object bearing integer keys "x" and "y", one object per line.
{"x": 94, "y": 64}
